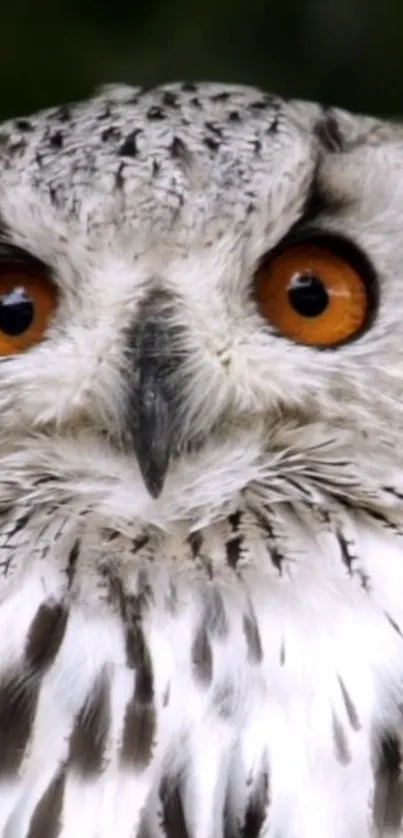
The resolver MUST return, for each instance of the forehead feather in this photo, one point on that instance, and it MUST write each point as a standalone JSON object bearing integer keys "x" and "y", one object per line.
{"x": 180, "y": 156}
{"x": 179, "y": 166}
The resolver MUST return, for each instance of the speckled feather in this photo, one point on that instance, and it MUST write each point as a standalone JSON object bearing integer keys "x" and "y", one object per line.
{"x": 224, "y": 660}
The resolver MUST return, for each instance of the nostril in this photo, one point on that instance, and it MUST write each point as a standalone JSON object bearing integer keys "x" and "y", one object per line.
{"x": 225, "y": 360}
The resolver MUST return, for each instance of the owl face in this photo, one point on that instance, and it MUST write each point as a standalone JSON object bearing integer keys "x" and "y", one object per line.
{"x": 195, "y": 279}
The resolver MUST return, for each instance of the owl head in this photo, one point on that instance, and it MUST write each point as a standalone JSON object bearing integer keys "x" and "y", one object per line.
{"x": 200, "y": 289}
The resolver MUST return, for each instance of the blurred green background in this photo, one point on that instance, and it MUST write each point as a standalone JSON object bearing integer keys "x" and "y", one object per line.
{"x": 345, "y": 52}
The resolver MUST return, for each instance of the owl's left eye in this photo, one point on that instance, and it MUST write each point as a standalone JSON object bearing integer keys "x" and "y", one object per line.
{"x": 27, "y": 301}
{"x": 317, "y": 292}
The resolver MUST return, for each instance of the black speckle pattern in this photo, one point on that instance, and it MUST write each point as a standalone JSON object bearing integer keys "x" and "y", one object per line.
{"x": 56, "y": 140}
{"x": 155, "y": 113}
{"x": 24, "y": 125}
{"x": 119, "y": 177}
{"x": 169, "y": 99}
{"x": 211, "y": 143}
{"x": 179, "y": 150}
{"x": 110, "y": 133}
{"x": 195, "y": 159}
{"x": 129, "y": 146}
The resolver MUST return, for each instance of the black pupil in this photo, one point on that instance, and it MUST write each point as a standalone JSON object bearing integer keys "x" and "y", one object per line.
{"x": 307, "y": 295}
{"x": 16, "y": 312}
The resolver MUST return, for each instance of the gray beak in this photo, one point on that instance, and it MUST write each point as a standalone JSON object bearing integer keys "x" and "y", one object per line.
{"x": 152, "y": 442}
{"x": 155, "y": 397}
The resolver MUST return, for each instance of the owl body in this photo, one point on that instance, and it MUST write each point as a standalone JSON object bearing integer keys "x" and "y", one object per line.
{"x": 201, "y": 521}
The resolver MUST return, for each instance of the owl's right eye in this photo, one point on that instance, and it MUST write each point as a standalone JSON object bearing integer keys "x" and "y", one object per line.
{"x": 27, "y": 301}
{"x": 318, "y": 291}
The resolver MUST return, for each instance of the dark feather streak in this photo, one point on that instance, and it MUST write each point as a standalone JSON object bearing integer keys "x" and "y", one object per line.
{"x": 46, "y": 819}
{"x": 89, "y": 735}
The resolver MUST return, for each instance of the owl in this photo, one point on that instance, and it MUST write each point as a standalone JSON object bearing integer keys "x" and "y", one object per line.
{"x": 201, "y": 468}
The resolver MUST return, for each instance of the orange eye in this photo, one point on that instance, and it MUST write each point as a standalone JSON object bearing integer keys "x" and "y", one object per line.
{"x": 27, "y": 301}
{"x": 313, "y": 295}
